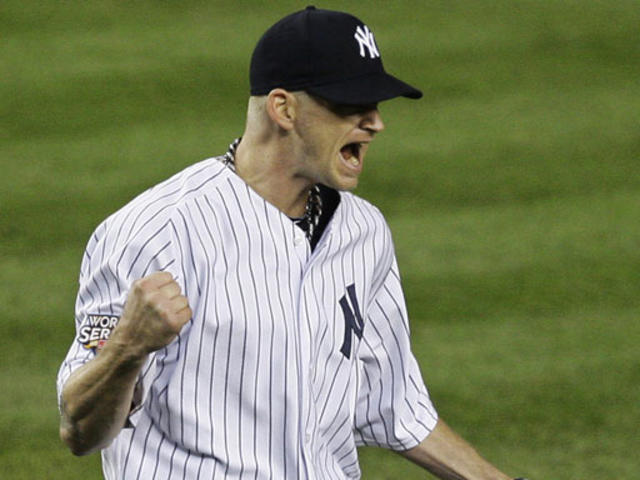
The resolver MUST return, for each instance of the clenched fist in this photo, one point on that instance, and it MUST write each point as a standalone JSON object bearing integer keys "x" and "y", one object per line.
{"x": 154, "y": 313}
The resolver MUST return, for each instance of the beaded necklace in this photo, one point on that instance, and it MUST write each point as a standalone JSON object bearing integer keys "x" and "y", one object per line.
{"x": 313, "y": 210}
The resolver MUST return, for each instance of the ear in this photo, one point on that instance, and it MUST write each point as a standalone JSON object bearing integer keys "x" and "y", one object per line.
{"x": 282, "y": 107}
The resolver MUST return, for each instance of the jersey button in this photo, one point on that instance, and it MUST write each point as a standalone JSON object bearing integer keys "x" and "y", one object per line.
{"x": 298, "y": 239}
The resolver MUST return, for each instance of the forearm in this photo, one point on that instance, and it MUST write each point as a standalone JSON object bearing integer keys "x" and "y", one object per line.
{"x": 448, "y": 456}
{"x": 96, "y": 399}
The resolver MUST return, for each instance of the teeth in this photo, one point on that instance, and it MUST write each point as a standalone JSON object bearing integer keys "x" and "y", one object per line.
{"x": 351, "y": 153}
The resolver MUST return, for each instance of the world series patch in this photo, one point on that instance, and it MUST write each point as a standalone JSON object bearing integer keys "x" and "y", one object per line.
{"x": 95, "y": 332}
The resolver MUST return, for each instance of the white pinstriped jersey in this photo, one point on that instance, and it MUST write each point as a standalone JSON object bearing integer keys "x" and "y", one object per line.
{"x": 293, "y": 357}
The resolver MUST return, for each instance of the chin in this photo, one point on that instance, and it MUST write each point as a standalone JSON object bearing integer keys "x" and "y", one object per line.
{"x": 345, "y": 185}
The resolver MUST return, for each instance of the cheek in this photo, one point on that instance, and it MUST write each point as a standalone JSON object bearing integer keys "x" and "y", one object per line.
{"x": 320, "y": 145}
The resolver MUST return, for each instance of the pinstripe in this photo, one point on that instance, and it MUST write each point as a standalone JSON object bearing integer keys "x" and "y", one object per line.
{"x": 296, "y": 431}
{"x": 271, "y": 364}
{"x": 259, "y": 333}
{"x": 182, "y": 246}
{"x": 383, "y": 314}
{"x": 179, "y": 344}
{"x": 153, "y": 396}
{"x": 97, "y": 284}
{"x": 395, "y": 338}
{"x": 186, "y": 462}
{"x": 240, "y": 290}
{"x": 199, "y": 467}
{"x": 126, "y": 459}
{"x": 144, "y": 448}
{"x": 103, "y": 276}
{"x": 228, "y": 349}
{"x": 189, "y": 243}
{"x": 151, "y": 261}
{"x": 164, "y": 204}
{"x": 141, "y": 250}
{"x": 157, "y": 459}
{"x": 329, "y": 371}
{"x": 337, "y": 419}
{"x": 165, "y": 208}
{"x": 377, "y": 386}
{"x": 201, "y": 342}
{"x": 271, "y": 359}
{"x": 206, "y": 309}
{"x": 255, "y": 385}
{"x": 286, "y": 345}
{"x": 332, "y": 299}
{"x": 358, "y": 272}
{"x": 416, "y": 439}
{"x": 393, "y": 380}
{"x": 173, "y": 454}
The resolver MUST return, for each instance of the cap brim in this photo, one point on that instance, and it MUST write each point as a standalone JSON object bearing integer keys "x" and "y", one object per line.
{"x": 372, "y": 88}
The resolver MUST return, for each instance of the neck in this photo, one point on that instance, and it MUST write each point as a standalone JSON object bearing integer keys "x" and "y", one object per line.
{"x": 267, "y": 167}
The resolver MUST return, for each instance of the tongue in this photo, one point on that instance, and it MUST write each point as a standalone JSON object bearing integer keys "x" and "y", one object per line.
{"x": 346, "y": 152}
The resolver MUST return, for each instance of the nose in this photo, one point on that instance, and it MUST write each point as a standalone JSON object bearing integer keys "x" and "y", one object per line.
{"x": 372, "y": 121}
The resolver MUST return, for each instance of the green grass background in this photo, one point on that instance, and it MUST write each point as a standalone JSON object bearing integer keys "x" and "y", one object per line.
{"x": 513, "y": 189}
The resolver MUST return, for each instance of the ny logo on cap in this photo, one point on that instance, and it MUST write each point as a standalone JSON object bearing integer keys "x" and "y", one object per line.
{"x": 364, "y": 36}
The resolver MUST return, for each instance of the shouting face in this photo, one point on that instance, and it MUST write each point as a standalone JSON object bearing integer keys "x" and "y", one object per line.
{"x": 334, "y": 140}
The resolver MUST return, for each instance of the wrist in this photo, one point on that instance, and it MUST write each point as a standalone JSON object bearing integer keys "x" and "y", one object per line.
{"x": 129, "y": 355}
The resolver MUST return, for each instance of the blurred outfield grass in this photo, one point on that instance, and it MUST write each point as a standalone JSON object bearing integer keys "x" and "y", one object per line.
{"x": 513, "y": 189}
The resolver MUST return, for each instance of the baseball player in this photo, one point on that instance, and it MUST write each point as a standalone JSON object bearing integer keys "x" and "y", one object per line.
{"x": 245, "y": 318}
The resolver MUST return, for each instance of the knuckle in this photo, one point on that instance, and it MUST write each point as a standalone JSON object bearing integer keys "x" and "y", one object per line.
{"x": 137, "y": 287}
{"x": 151, "y": 297}
{"x": 160, "y": 310}
{"x": 173, "y": 326}
{"x": 186, "y": 309}
{"x": 164, "y": 276}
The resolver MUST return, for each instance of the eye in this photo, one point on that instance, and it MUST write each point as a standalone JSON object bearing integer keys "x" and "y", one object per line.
{"x": 343, "y": 110}
{"x": 348, "y": 110}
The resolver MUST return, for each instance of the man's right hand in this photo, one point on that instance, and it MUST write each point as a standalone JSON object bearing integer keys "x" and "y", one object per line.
{"x": 154, "y": 313}
{"x": 96, "y": 399}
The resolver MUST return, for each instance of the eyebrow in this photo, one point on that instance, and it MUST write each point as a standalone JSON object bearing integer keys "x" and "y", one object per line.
{"x": 344, "y": 109}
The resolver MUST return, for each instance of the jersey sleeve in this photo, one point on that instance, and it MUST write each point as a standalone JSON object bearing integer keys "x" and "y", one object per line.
{"x": 112, "y": 261}
{"x": 393, "y": 408}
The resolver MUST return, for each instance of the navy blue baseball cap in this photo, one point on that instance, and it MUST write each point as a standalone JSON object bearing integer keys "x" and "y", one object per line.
{"x": 330, "y": 54}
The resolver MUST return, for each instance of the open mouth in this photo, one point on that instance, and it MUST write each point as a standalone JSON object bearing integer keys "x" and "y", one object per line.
{"x": 351, "y": 153}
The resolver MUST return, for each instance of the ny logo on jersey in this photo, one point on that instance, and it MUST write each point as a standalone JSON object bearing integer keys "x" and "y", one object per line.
{"x": 352, "y": 319}
{"x": 365, "y": 39}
